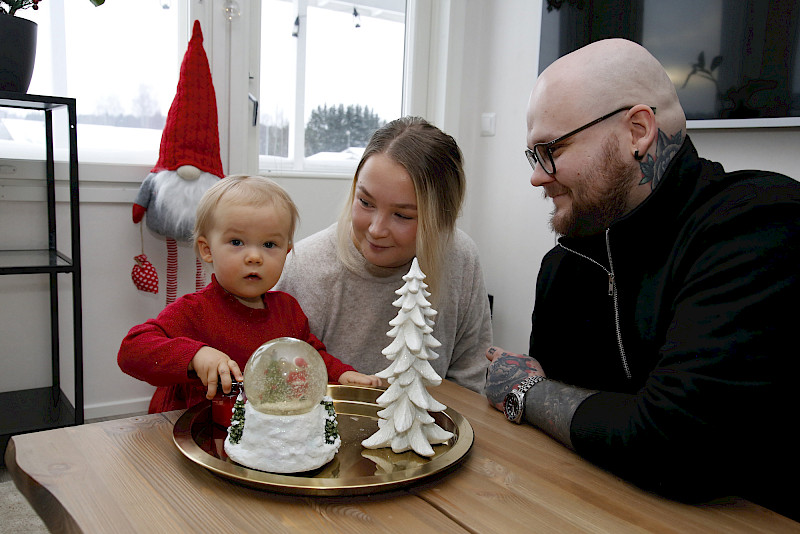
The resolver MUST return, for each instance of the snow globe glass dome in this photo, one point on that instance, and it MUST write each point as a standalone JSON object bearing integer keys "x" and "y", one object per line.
{"x": 285, "y": 376}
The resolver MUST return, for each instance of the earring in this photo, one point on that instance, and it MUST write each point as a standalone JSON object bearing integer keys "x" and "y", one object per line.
{"x": 636, "y": 155}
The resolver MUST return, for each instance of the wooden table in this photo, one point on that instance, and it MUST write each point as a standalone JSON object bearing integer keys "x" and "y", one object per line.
{"x": 127, "y": 475}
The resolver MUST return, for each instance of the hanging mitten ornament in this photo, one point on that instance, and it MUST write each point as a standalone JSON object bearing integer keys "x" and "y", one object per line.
{"x": 144, "y": 275}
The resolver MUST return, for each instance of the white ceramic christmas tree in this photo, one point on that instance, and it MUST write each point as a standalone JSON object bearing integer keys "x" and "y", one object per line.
{"x": 405, "y": 423}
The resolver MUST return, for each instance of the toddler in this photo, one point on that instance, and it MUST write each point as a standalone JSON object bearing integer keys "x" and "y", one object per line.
{"x": 244, "y": 230}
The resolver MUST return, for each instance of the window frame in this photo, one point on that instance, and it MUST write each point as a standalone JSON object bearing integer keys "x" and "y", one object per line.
{"x": 434, "y": 29}
{"x": 108, "y": 179}
{"x": 434, "y": 34}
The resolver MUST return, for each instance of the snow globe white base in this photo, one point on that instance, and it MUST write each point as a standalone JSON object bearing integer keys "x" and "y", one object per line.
{"x": 283, "y": 443}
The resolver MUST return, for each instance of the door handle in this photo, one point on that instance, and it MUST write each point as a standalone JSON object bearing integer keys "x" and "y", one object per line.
{"x": 254, "y": 100}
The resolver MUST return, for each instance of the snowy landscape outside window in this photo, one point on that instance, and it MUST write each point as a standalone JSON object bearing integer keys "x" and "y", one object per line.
{"x": 331, "y": 74}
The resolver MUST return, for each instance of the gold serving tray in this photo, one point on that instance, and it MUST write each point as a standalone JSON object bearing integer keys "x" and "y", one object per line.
{"x": 353, "y": 471}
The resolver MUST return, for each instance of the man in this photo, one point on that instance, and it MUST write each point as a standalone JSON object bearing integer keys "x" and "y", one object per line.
{"x": 663, "y": 319}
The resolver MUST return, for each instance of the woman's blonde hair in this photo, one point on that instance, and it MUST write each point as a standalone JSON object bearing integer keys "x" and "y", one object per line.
{"x": 435, "y": 164}
{"x": 243, "y": 190}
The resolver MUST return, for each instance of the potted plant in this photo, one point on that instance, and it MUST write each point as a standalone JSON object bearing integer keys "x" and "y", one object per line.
{"x": 18, "y": 44}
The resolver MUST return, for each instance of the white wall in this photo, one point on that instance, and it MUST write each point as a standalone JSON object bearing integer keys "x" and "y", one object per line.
{"x": 504, "y": 214}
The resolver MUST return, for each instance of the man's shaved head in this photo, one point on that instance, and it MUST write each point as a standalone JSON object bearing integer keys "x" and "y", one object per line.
{"x": 604, "y": 76}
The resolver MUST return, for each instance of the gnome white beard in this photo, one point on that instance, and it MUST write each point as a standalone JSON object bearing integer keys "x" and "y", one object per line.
{"x": 176, "y": 201}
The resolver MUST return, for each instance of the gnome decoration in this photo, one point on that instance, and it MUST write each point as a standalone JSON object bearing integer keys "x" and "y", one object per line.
{"x": 188, "y": 163}
{"x": 404, "y": 421}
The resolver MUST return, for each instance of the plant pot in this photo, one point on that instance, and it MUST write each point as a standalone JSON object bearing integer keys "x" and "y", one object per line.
{"x": 17, "y": 53}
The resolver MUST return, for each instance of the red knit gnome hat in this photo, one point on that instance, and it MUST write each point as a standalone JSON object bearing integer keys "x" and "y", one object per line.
{"x": 191, "y": 134}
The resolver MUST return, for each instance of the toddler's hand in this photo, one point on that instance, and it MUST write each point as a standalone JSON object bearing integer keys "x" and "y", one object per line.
{"x": 359, "y": 379}
{"x": 213, "y": 366}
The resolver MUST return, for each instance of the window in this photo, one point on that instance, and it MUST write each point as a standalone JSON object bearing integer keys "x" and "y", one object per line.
{"x": 743, "y": 66}
{"x": 376, "y": 59}
{"x": 119, "y": 61}
{"x": 736, "y": 65}
{"x": 331, "y": 74}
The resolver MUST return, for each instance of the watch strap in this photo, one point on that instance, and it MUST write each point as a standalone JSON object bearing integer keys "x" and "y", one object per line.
{"x": 529, "y": 382}
{"x": 514, "y": 403}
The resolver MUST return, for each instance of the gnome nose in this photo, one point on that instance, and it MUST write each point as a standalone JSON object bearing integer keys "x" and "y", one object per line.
{"x": 188, "y": 172}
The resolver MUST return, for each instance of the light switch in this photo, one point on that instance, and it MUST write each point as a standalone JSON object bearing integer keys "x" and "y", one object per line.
{"x": 487, "y": 124}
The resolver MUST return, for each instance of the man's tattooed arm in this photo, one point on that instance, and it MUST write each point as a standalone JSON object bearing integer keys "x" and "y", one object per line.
{"x": 549, "y": 405}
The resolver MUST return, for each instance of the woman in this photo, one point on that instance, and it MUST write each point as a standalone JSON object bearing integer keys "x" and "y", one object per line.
{"x": 405, "y": 198}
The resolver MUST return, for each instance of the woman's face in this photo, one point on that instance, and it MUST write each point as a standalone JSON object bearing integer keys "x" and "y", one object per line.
{"x": 385, "y": 213}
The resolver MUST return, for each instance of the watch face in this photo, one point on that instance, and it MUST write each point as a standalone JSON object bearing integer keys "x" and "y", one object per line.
{"x": 512, "y": 406}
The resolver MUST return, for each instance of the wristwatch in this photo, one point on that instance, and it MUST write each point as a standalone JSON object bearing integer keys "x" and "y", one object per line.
{"x": 514, "y": 403}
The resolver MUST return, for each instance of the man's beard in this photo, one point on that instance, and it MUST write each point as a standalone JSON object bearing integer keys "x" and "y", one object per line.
{"x": 600, "y": 198}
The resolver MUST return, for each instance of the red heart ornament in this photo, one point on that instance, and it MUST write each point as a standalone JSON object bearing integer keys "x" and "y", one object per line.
{"x": 144, "y": 275}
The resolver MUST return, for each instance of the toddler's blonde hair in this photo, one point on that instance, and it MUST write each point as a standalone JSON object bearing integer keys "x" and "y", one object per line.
{"x": 243, "y": 190}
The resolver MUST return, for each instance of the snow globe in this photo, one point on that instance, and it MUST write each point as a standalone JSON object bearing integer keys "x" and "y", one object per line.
{"x": 285, "y": 376}
{"x": 283, "y": 423}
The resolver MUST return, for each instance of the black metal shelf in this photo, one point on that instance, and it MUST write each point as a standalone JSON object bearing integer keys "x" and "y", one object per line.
{"x": 47, "y": 407}
{"x": 29, "y": 410}
{"x": 34, "y": 261}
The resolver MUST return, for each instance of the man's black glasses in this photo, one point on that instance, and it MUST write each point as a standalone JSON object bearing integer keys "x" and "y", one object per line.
{"x": 542, "y": 153}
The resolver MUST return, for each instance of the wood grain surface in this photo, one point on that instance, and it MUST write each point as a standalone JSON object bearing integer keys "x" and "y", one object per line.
{"x": 127, "y": 475}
